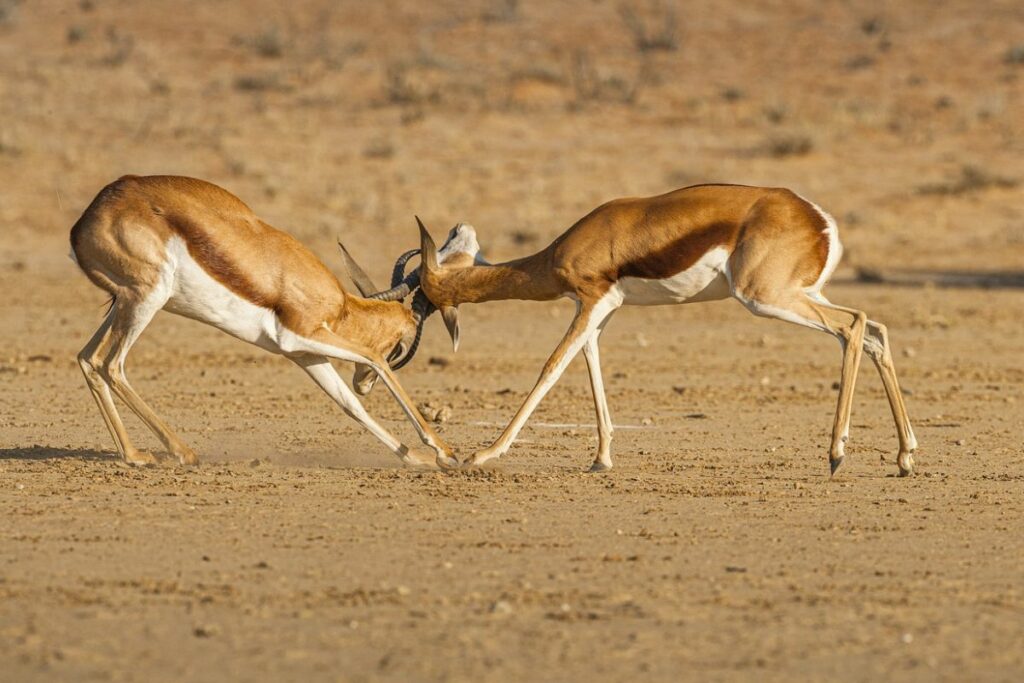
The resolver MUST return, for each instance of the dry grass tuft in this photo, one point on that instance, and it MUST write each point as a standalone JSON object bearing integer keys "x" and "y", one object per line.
{"x": 971, "y": 179}
{"x": 659, "y": 31}
{"x": 788, "y": 145}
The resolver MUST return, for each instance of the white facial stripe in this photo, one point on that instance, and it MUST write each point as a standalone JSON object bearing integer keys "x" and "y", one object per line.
{"x": 705, "y": 280}
{"x": 461, "y": 240}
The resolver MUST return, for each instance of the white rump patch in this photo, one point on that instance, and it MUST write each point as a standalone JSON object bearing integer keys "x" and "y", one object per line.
{"x": 835, "y": 248}
{"x": 705, "y": 280}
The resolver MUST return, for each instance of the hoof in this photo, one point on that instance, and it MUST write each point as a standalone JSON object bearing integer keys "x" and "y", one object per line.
{"x": 599, "y": 466}
{"x": 418, "y": 460}
{"x": 140, "y": 459}
{"x": 905, "y": 461}
{"x": 187, "y": 458}
{"x": 479, "y": 458}
{"x": 834, "y": 465}
{"x": 447, "y": 462}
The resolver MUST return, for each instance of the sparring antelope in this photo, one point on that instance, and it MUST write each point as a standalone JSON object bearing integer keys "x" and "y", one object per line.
{"x": 191, "y": 248}
{"x": 769, "y": 248}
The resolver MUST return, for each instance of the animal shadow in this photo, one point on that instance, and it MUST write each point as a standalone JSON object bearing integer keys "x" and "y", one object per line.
{"x": 38, "y": 452}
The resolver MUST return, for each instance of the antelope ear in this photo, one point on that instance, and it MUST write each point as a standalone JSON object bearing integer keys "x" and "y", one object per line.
{"x": 358, "y": 276}
{"x": 428, "y": 250}
{"x": 450, "y": 315}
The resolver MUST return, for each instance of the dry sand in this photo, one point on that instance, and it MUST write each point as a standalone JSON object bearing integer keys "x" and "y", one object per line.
{"x": 718, "y": 548}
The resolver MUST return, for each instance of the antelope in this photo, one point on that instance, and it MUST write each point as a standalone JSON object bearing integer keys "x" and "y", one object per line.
{"x": 194, "y": 249}
{"x": 768, "y": 248}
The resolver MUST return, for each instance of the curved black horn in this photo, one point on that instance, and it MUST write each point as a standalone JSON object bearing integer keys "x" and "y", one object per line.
{"x": 394, "y": 294}
{"x": 398, "y": 272}
{"x": 421, "y": 308}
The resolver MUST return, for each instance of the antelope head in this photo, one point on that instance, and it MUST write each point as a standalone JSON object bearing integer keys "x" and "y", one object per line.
{"x": 461, "y": 248}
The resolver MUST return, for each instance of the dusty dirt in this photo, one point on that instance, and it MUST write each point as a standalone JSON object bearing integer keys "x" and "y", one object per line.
{"x": 718, "y": 548}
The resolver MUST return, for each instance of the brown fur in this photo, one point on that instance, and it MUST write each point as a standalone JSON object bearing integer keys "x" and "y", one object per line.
{"x": 652, "y": 237}
{"x": 119, "y": 243}
{"x": 777, "y": 247}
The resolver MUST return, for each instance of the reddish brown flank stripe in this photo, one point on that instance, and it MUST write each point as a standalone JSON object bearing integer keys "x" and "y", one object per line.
{"x": 218, "y": 264}
{"x": 681, "y": 253}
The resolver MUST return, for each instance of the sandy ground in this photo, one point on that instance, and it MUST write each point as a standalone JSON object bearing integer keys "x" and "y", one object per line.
{"x": 718, "y": 548}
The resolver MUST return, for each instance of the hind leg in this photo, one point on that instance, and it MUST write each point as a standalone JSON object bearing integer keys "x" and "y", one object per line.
{"x": 90, "y": 360}
{"x": 130, "y": 318}
{"x": 848, "y": 326}
{"x": 876, "y": 345}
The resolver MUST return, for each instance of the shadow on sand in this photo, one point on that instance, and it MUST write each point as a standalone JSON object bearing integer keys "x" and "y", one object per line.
{"x": 961, "y": 279}
{"x": 53, "y": 453}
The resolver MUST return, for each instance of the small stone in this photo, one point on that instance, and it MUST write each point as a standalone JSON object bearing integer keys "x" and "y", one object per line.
{"x": 907, "y": 638}
{"x": 403, "y": 590}
{"x": 647, "y": 422}
{"x": 501, "y": 607}
{"x": 766, "y": 380}
{"x": 443, "y": 414}
{"x": 205, "y": 631}
{"x": 909, "y": 352}
{"x": 960, "y": 442}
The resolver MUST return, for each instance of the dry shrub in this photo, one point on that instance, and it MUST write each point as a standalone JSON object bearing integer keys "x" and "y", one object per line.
{"x": 971, "y": 179}
{"x": 590, "y": 86}
{"x": 789, "y": 145}
{"x": 658, "y": 31}
{"x": 498, "y": 11}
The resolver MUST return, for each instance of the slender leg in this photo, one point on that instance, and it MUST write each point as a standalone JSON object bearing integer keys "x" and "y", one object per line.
{"x": 876, "y": 345}
{"x": 128, "y": 323}
{"x": 848, "y": 325}
{"x": 326, "y": 377}
{"x": 588, "y": 317}
{"x": 89, "y": 361}
{"x": 852, "y": 336}
{"x": 326, "y": 343}
{"x": 603, "y": 462}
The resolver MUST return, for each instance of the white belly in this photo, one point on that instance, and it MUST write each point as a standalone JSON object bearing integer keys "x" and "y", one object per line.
{"x": 195, "y": 294}
{"x": 705, "y": 280}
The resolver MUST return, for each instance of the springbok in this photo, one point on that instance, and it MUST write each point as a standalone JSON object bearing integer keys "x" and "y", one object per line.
{"x": 192, "y": 248}
{"x": 769, "y": 248}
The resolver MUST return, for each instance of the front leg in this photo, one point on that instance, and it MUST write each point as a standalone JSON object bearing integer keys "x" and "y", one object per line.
{"x": 589, "y": 316}
{"x": 327, "y": 378}
{"x": 603, "y": 462}
{"x": 329, "y": 344}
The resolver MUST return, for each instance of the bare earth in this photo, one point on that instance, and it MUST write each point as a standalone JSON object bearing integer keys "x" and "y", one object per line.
{"x": 718, "y": 548}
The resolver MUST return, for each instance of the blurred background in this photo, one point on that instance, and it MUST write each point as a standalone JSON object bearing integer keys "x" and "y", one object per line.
{"x": 901, "y": 118}
{"x": 718, "y": 548}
